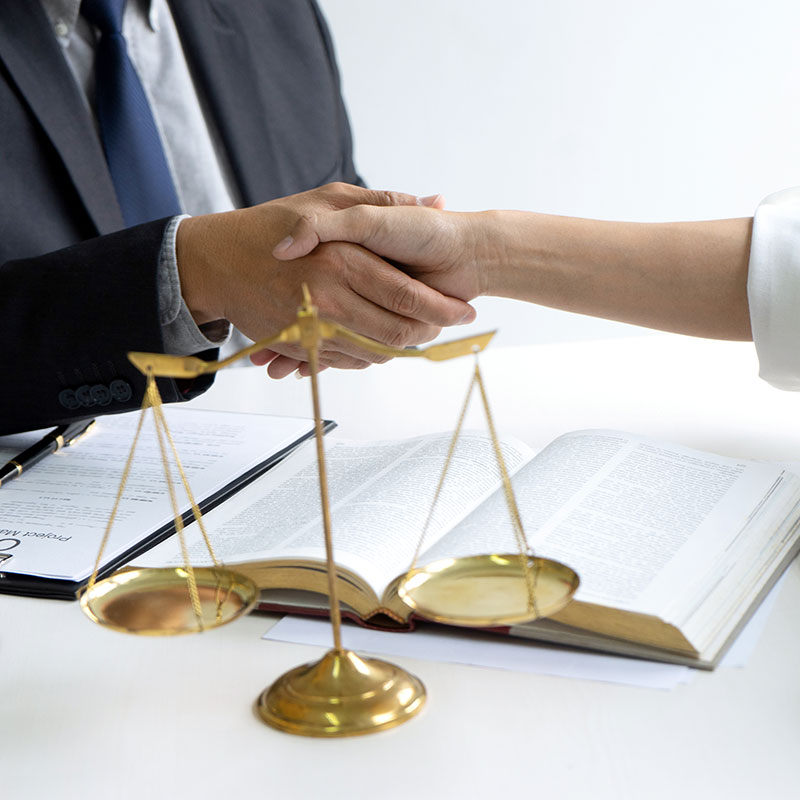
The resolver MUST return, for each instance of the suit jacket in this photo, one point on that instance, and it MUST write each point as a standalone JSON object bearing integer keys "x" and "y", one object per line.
{"x": 76, "y": 290}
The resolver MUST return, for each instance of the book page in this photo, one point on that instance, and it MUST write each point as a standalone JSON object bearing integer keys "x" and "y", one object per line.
{"x": 380, "y": 494}
{"x": 52, "y": 518}
{"x": 640, "y": 521}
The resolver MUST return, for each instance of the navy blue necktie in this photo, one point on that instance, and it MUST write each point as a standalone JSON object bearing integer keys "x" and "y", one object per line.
{"x": 131, "y": 142}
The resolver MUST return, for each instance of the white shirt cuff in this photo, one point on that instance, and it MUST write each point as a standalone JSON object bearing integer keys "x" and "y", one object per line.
{"x": 773, "y": 288}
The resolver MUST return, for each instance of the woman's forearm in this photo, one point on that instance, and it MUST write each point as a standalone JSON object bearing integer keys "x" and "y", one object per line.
{"x": 685, "y": 277}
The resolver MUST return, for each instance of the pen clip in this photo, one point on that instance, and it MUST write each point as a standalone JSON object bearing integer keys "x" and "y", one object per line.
{"x": 80, "y": 434}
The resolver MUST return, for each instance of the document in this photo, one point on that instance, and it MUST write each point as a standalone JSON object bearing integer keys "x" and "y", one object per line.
{"x": 52, "y": 518}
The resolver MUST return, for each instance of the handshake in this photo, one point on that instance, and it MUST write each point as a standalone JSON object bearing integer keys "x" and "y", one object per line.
{"x": 398, "y": 268}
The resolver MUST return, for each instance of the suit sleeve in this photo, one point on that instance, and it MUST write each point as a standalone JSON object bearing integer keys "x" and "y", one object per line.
{"x": 68, "y": 319}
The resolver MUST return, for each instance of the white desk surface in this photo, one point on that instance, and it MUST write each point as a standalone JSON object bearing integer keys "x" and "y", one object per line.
{"x": 86, "y": 713}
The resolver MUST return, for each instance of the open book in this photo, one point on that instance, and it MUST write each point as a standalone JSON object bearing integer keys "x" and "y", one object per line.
{"x": 52, "y": 518}
{"x": 674, "y": 547}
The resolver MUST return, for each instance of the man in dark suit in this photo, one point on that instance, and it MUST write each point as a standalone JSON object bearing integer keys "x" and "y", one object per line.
{"x": 78, "y": 289}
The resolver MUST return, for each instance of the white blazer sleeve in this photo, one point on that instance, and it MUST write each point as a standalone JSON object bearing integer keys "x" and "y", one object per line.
{"x": 773, "y": 288}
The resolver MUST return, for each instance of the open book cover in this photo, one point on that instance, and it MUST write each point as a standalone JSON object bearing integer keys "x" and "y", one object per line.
{"x": 675, "y": 548}
{"x": 52, "y": 518}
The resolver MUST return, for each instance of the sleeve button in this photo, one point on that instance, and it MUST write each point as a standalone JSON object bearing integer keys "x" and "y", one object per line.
{"x": 84, "y": 396}
{"x": 66, "y": 397}
{"x": 121, "y": 390}
{"x": 100, "y": 394}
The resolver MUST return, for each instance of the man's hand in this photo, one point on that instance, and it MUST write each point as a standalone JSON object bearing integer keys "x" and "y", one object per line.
{"x": 438, "y": 247}
{"x": 227, "y": 271}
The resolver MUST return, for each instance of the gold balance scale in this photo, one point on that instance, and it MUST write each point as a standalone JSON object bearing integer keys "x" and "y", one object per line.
{"x": 342, "y": 694}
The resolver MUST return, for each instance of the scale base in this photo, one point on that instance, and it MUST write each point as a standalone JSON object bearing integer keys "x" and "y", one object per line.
{"x": 342, "y": 694}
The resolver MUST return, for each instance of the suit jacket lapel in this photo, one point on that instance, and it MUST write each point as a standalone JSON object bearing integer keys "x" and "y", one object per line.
{"x": 215, "y": 38}
{"x": 36, "y": 64}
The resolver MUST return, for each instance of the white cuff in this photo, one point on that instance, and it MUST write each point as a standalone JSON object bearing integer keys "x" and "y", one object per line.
{"x": 773, "y": 288}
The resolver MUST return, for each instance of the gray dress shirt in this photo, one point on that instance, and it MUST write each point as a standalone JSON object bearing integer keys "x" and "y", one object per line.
{"x": 197, "y": 160}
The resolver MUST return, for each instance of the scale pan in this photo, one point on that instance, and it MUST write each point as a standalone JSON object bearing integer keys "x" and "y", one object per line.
{"x": 156, "y": 602}
{"x": 488, "y": 590}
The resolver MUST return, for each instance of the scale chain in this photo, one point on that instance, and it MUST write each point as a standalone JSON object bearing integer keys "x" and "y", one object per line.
{"x": 525, "y": 553}
{"x": 531, "y": 573}
{"x": 123, "y": 481}
{"x": 158, "y": 417}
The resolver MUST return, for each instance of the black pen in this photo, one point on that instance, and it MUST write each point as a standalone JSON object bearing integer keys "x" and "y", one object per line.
{"x": 63, "y": 436}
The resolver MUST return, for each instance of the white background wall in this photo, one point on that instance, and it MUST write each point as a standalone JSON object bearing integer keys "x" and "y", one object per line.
{"x": 621, "y": 109}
